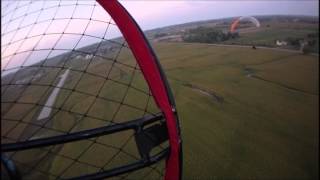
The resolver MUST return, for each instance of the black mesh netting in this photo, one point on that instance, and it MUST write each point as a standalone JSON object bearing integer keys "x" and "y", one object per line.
{"x": 65, "y": 68}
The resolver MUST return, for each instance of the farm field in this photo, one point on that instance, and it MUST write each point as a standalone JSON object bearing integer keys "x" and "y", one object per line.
{"x": 290, "y": 29}
{"x": 239, "y": 126}
{"x": 272, "y": 31}
{"x": 245, "y": 113}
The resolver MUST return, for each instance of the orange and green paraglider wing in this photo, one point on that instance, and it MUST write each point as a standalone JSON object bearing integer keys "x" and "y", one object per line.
{"x": 236, "y": 22}
{"x": 234, "y": 25}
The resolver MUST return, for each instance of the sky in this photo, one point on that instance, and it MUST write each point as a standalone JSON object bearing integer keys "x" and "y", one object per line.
{"x": 152, "y": 14}
{"x": 31, "y": 29}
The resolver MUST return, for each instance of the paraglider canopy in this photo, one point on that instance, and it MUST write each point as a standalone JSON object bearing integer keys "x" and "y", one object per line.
{"x": 235, "y": 23}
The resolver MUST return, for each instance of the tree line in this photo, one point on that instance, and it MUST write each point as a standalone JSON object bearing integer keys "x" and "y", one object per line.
{"x": 207, "y": 35}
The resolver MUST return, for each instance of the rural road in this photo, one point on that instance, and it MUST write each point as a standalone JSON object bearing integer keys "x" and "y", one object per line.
{"x": 46, "y": 110}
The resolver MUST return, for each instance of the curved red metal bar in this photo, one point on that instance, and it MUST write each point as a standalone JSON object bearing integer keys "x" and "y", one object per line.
{"x": 151, "y": 70}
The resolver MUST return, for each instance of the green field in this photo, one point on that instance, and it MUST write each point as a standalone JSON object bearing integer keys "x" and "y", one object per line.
{"x": 262, "y": 129}
{"x": 108, "y": 92}
{"x": 245, "y": 114}
{"x": 267, "y": 36}
{"x": 291, "y": 29}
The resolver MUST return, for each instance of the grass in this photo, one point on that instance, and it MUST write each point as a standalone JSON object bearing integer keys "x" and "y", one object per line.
{"x": 267, "y": 36}
{"x": 263, "y": 130}
{"x": 266, "y": 127}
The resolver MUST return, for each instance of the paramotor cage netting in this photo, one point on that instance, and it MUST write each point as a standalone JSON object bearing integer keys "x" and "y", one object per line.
{"x": 74, "y": 101}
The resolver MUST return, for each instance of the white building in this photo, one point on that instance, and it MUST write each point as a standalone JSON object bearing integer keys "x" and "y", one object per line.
{"x": 78, "y": 56}
{"x": 88, "y": 56}
{"x": 281, "y": 43}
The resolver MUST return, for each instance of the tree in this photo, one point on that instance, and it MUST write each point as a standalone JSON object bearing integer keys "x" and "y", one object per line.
{"x": 207, "y": 35}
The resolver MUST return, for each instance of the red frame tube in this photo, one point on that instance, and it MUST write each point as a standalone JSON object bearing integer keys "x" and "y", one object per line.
{"x": 148, "y": 64}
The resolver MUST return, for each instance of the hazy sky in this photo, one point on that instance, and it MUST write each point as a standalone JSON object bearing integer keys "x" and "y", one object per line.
{"x": 151, "y": 14}
{"x": 43, "y": 25}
